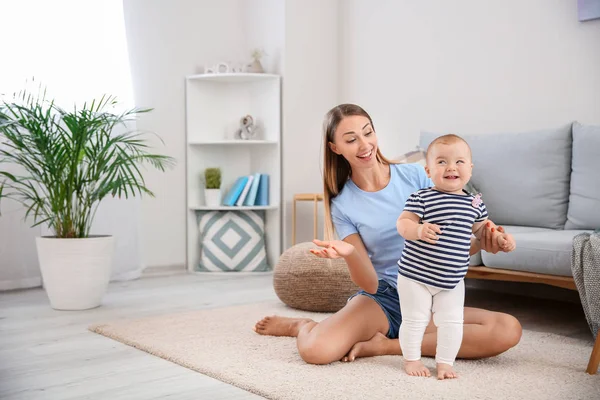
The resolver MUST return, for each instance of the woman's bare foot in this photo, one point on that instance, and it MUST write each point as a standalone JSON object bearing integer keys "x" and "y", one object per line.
{"x": 416, "y": 368}
{"x": 445, "y": 371}
{"x": 376, "y": 346}
{"x": 280, "y": 326}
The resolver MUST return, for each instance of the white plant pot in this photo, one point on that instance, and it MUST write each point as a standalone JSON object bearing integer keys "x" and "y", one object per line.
{"x": 212, "y": 197}
{"x": 75, "y": 272}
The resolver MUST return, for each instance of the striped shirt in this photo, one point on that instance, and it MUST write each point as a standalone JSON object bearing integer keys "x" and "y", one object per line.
{"x": 444, "y": 264}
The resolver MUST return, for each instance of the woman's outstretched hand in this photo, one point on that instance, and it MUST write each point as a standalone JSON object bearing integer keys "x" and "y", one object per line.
{"x": 332, "y": 249}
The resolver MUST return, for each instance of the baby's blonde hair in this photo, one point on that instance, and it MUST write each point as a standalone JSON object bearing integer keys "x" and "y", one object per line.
{"x": 446, "y": 139}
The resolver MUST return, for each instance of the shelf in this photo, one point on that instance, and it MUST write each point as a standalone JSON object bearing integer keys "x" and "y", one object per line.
{"x": 232, "y": 77}
{"x": 233, "y": 208}
{"x": 214, "y": 105}
{"x": 230, "y": 142}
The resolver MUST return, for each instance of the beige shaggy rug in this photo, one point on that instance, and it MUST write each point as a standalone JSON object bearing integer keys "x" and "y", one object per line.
{"x": 220, "y": 343}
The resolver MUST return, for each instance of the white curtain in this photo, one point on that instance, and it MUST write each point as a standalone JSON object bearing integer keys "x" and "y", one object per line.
{"x": 78, "y": 50}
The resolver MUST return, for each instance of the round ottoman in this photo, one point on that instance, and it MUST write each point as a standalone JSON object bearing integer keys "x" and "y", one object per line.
{"x": 307, "y": 282}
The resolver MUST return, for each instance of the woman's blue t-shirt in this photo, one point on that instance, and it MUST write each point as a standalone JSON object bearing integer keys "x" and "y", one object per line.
{"x": 373, "y": 215}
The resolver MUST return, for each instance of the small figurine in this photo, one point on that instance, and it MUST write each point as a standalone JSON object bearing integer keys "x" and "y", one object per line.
{"x": 247, "y": 128}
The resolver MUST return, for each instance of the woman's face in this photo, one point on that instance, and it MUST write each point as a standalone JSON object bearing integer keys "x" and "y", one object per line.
{"x": 356, "y": 141}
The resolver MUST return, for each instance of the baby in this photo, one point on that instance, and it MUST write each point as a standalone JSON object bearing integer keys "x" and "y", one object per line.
{"x": 437, "y": 224}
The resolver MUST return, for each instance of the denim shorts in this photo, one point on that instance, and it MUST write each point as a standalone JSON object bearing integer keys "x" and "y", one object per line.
{"x": 387, "y": 298}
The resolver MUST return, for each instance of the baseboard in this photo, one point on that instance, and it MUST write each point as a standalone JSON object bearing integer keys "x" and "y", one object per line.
{"x": 164, "y": 270}
{"x": 127, "y": 276}
{"x": 26, "y": 283}
{"x": 29, "y": 283}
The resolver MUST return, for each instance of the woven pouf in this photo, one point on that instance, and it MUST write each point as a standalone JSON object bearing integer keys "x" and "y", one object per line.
{"x": 307, "y": 282}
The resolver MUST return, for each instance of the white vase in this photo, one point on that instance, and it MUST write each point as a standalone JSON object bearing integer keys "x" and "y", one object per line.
{"x": 212, "y": 197}
{"x": 255, "y": 67}
{"x": 75, "y": 272}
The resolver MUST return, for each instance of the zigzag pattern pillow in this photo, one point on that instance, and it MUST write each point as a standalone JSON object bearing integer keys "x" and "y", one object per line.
{"x": 232, "y": 241}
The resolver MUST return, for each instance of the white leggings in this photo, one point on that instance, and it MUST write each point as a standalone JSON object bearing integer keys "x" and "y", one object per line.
{"x": 417, "y": 302}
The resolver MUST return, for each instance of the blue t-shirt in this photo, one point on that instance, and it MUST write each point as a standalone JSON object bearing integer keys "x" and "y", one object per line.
{"x": 373, "y": 215}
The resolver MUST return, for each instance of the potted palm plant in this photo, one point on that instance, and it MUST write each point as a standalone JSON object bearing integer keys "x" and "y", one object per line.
{"x": 212, "y": 190}
{"x": 67, "y": 162}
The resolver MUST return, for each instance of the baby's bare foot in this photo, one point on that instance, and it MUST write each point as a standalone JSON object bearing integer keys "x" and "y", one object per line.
{"x": 416, "y": 368}
{"x": 280, "y": 326}
{"x": 376, "y": 346}
{"x": 445, "y": 371}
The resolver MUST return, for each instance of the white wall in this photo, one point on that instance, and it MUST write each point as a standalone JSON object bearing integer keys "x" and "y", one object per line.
{"x": 18, "y": 255}
{"x": 309, "y": 90}
{"x": 464, "y": 66}
{"x": 69, "y": 78}
{"x": 468, "y": 66}
{"x": 168, "y": 40}
{"x": 264, "y": 27}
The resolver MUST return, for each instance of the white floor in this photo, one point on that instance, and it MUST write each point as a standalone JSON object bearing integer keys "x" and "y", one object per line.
{"x": 48, "y": 354}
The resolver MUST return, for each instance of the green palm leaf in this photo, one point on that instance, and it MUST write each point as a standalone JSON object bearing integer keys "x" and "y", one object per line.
{"x": 71, "y": 160}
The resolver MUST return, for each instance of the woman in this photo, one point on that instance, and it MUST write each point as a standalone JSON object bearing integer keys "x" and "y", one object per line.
{"x": 364, "y": 193}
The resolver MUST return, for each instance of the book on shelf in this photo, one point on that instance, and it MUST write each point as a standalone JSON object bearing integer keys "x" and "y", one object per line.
{"x": 262, "y": 197}
{"x": 240, "y": 200}
{"x": 235, "y": 191}
{"x": 249, "y": 190}
{"x": 251, "y": 198}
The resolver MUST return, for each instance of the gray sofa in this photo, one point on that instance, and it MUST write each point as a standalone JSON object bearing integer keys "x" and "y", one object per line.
{"x": 544, "y": 188}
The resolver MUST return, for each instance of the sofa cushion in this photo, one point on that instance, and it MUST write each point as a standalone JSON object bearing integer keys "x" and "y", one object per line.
{"x": 476, "y": 259}
{"x": 543, "y": 251}
{"x": 524, "y": 177}
{"x": 584, "y": 200}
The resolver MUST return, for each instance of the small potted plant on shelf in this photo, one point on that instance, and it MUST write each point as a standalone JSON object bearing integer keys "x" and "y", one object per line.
{"x": 212, "y": 190}
{"x": 60, "y": 165}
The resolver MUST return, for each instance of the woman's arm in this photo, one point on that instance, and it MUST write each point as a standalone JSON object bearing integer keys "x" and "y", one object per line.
{"x": 353, "y": 250}
{"x": 360, "y": 267}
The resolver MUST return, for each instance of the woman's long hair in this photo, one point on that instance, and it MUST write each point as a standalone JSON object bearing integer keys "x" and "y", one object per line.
{"x": 336, "y": 169}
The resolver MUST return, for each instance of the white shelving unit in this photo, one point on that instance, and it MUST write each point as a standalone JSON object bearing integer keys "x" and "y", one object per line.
{"x": 215, "y": 103}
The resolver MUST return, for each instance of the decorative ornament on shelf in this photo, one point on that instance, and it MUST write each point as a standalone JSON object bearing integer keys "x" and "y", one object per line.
{"x": 247, "y": 128}
{"x": 219, "y": 68}
{"x": 255, "y": 66}
{"x": 212, "y": 190}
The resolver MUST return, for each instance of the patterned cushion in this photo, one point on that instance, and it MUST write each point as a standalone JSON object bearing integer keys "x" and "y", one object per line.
{"x": 232, "y": 241}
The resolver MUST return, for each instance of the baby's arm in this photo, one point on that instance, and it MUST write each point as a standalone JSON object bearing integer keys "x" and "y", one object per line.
{"x": 478, "y": 228}
{"x": 410, "y": 229}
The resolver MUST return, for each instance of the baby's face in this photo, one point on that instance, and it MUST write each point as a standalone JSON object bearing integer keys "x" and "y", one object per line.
{"x": 449, "y": 166}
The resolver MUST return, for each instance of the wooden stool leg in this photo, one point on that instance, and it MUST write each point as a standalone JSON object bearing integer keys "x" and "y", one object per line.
{"x": 595, "y": 357}
{"x": 294, "y": 222}
{"x": 315, "y": 211}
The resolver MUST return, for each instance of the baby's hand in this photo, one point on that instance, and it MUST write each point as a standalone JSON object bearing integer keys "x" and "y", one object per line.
{"x": 427, "y": 232}
{"x": 506, "y": 242}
